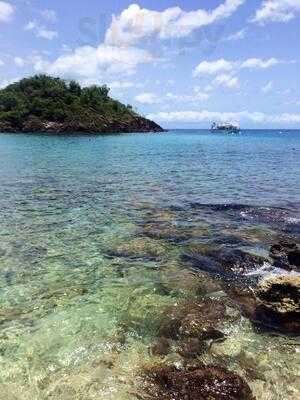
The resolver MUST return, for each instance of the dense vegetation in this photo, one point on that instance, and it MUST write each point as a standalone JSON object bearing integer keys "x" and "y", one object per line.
{"x": 54, "y": 99}
{"x": 46, "y": 99}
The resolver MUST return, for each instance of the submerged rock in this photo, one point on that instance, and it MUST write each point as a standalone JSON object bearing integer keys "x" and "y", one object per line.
{"x": 243, "y": 296}
{"x": 228, "y": 348}
{"x": 196, "y": 383}
{"x": 165, "y": 230}
{"x": 191, "y": 348}
{"x": 14, "y": 315}
{"x": 138, "y": 248}
{"x": 192, "y": 319}
{"x": 179, "y": 280}
{"x": 253, "y": 235}
{"x": 160, "y": 347}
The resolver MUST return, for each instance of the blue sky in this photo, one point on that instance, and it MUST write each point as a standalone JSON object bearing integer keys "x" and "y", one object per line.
{"x": 183, "y": 63}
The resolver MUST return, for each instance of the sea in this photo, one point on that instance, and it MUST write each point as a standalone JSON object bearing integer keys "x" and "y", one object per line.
{"x": 96, "y": 235}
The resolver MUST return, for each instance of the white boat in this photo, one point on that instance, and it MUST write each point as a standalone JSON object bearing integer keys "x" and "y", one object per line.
{"x": 225, "y": 127}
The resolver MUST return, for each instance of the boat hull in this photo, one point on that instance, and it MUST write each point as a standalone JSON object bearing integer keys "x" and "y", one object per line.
{"x": 225, "y": 130}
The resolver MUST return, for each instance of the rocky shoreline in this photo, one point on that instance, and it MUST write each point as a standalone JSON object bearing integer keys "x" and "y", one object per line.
{"x": 99, "y": 125}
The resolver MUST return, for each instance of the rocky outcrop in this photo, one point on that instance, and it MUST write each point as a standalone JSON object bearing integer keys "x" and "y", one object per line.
{"x": 286, "y": 255}
{"x": 6, "y": 127}
{"x": 279, "y": 303}
{"x": 274, "y": 305}
{"x": 195, "y": 383}
{"x": 99, "y": 125}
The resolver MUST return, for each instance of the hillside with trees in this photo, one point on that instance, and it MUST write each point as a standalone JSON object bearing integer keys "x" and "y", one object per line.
{"x": 46, "y": 104}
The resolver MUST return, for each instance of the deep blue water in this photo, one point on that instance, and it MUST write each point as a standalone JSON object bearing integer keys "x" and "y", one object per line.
{"x": 92, "y": 230}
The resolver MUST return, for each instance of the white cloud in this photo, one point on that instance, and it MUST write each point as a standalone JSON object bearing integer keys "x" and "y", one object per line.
{"x": 277, "y": 11}
{"x": 194, "y": 97}
{"x": 46, "y": 33}
{"x": 267, "y": 88}
{"x": 221, "y": 65}
{"x": 147, "y": 98}
{"x": 6, "y": 11}
{"x": 1, "y": 63}
{"x": 213, "y": 67}
{"x": 20, "y": 62}
{"x": 208, "y": 116}
{"x": 257, "y": 63}
{"x": 40, "y": 31}
{"x": 49, "y": 15}
{"x": 136, "y": 23}
{"x": 89, "y": 62}
{"x": 227, "y": 81}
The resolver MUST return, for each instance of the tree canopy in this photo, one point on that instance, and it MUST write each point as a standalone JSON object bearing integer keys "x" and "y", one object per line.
{"x": 57, "y": 100}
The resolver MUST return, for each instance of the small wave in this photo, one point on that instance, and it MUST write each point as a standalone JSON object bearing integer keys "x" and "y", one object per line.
{"x": 257, "y": 213}
{"x": 268, "y": 269}
{"x": 293, "y": 220}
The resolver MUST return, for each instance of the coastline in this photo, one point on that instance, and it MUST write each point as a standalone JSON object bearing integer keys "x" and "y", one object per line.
{"x": 34, "y": 125}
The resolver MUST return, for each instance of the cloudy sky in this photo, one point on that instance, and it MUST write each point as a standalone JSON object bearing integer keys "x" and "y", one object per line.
{"x": 183, "y": 63}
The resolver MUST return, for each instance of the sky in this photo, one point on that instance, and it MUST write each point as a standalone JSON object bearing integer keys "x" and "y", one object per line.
{"x": 182, "y": 63}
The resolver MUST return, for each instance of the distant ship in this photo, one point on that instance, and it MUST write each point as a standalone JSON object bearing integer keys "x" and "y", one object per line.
{"x": 225, "y": 127}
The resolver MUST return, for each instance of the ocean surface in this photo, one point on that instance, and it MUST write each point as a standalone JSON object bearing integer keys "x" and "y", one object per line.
{"x": 93, "y": 233}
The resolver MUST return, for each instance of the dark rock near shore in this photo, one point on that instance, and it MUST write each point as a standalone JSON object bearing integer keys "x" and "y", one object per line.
{"x": 286, "y": 255}
{"x": 212, "y": 334}
{"x": 194, "y": 383}
{"x": 243, "y": 296}
{"x": 273, "y": 306}
{"x": 238, "y": 261}
{"x": 226, "y": 262}
{"x": 286, "y": 219}
{"x": 280, "y": 303}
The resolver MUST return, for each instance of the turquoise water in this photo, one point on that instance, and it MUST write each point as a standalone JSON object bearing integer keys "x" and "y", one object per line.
{"x": 92, "y": 235}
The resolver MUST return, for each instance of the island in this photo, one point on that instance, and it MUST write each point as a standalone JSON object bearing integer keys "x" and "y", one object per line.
{"x": 47, "y": 104}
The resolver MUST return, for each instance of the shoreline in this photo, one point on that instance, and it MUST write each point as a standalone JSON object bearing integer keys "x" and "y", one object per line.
{"x": 137, "y": 125}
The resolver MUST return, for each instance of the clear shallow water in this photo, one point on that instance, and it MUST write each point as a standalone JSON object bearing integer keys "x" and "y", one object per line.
{"x": 85, "y": 283}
